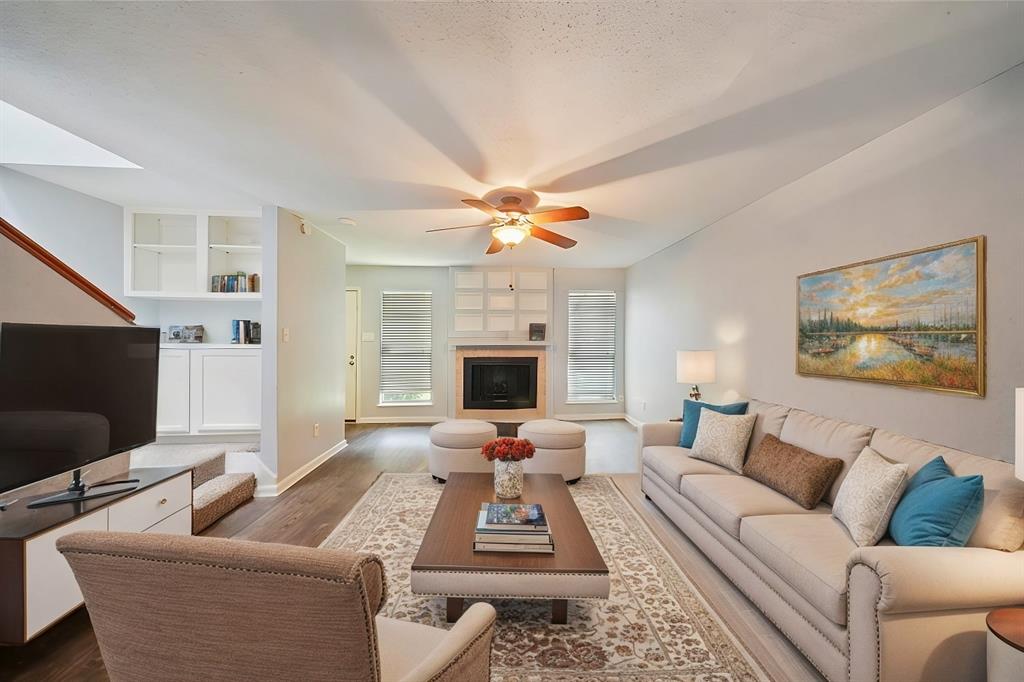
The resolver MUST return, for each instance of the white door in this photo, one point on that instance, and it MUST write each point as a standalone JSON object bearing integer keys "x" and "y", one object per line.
{"x": 225, "y": 390}
{"x": 172, "y": 392}
{"x": 351, "y": 352}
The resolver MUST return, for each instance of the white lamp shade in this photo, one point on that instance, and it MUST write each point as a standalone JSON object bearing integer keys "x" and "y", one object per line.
{"x": 1019, "y": 449}
{"x": 695, "y": 366}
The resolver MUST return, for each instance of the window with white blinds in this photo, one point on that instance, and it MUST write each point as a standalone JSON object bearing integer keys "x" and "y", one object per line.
{"x": 591, "y": 346}
{"x": 405, "y": 347}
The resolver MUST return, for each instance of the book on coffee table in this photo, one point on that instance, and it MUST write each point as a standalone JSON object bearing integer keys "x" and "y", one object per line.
{"x": 526, "y": 548}
{"x": 519, "y": 517}
{"x": 485, "y": 533}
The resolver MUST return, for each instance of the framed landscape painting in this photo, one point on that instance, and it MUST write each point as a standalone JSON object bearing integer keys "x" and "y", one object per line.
{"x": 914, "y": 319}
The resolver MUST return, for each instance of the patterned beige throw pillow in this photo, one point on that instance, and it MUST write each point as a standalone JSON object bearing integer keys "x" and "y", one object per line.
{"x": 722, "y": 438}
{"x": 869, "y": 495}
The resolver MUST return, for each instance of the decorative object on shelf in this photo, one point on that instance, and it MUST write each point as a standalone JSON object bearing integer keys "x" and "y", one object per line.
{"x": 192, "y": 333}
{"x": 508, "y": 455}
{"x": 538, "y": 330}
{"x": 174, "y": 333}
{"x": 914, "y": 319}
{"x": 695, "y": 367}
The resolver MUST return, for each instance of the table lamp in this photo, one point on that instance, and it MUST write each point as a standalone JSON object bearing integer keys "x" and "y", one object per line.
{"x": 695, "y": 367}
{"x": 1019, "y": 449}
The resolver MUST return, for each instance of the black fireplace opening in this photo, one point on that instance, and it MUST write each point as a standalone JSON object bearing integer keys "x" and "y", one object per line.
{"x": 499, "y": 383}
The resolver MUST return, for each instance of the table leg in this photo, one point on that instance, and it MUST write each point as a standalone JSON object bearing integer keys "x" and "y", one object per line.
{"x": 454, "y": 607}
{"x": 559, "y": 611}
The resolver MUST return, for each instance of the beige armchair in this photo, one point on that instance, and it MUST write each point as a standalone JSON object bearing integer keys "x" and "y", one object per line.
{"x": 169, "y": 608}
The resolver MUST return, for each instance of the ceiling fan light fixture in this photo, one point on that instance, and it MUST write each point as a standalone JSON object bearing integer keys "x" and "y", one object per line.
{"x": 510, "y": 235}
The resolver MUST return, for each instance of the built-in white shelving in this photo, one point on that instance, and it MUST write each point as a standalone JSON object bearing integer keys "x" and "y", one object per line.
{"x": 173, "y": 255}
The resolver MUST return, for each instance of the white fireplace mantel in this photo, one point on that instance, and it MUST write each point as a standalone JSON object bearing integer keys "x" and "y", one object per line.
{"x": 463, "y": 342}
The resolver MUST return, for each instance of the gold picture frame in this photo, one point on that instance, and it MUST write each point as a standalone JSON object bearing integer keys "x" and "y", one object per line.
{"x": 914, "y": 319}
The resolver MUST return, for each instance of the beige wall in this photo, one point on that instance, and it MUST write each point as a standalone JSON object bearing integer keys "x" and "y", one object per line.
{"x": 304, "y": 379}
{"x": 953, "y": 173}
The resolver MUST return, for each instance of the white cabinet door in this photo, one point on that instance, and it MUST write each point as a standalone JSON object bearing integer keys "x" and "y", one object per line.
{"x": 172, "y": 402}
{"x": 225, "y": 390}
{"x": 50, "y": 587}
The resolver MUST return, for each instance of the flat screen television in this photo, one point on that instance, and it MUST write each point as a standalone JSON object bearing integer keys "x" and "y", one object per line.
{"x": 72, "y": 395}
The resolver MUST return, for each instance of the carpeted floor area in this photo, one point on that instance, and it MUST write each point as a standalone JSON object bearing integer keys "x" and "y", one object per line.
{"x": 655, "y": 625}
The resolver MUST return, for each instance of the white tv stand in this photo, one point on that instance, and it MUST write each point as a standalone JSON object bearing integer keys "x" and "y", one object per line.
{"x": 37, "y": 588}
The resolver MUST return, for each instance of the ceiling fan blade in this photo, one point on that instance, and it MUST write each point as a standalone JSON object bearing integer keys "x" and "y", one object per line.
{"x": 485, "y": 207}
{"x": 552, "y": 237}
{"x": 495, "y": 246}
{"x": 558, "y": 215}
{"x": 461, "y": 227}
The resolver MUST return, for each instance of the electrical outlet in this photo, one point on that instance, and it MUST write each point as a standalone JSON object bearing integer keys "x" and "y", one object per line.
{"x": 316, "y": 430}
{"x": 285, "y": 335}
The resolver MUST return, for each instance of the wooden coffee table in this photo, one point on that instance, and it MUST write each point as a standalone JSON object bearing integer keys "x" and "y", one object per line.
{"x": 447, "y": 566}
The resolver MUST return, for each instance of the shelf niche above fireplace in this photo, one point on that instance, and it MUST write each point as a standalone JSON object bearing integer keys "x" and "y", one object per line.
{"x": 499, "y": 383}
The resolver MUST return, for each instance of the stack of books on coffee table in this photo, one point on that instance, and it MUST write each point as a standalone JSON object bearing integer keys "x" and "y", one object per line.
{"x": 512, "y": 528}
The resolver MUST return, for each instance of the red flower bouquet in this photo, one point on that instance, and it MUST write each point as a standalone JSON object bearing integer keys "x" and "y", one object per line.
{"x": 508, "y": 449}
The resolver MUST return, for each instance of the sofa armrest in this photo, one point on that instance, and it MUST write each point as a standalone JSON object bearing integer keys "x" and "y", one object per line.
{"x": 465, "y": 652}
{"x": 660, "y": 433}
{"x": 913, "y": 579}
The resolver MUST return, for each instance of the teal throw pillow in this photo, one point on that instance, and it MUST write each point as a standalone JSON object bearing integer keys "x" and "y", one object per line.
{"x": 938, "y": 509}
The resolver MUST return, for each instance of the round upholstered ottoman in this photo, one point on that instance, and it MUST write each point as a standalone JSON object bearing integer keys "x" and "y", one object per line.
{"x": 455, "y": 446}
{"x": 561, "y": 448}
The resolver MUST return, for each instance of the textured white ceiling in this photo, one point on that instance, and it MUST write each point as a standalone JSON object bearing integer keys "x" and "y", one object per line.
{"x": 658, "y": 117}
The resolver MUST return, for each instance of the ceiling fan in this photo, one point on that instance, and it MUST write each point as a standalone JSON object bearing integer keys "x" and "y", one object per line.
{"x": 513, "y": 223}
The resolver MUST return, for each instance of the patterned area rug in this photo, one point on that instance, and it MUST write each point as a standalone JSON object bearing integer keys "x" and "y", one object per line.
{"x": 655, "y": 626}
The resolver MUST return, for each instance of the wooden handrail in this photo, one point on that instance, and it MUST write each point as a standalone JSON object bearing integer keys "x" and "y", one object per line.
{"x": 64, "y": 270}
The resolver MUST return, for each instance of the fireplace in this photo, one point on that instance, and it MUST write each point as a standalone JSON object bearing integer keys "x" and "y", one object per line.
{"x": 491, "y": 383}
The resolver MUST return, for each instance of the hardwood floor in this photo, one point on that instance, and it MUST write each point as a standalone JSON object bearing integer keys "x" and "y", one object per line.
{"x": 306, "y": 513}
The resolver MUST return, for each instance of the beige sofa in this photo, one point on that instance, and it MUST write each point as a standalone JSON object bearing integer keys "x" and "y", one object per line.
{"x": 872, "y": 613}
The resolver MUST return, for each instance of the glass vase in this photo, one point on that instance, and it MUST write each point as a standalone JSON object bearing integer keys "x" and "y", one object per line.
{"x": 508, "y": 479}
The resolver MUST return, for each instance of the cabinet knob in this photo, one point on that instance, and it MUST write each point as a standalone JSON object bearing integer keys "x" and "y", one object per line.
{"x": 163, "y": 500}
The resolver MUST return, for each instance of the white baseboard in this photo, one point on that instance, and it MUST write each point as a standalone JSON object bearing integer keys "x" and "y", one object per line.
{"x": 633, "y": 420}
{"x": 596, "y": 416}
{"x": 244, "y": 461}
{"x": 300, "y": 473}
{"x": 400, "y": 420}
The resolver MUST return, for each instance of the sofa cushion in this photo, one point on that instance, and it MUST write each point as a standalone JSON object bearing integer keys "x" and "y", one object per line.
{"x": 938, "y": 509}
{"x": 729, "y": 499}
{"x": 403, "y": 646}
{"x": 828, "y": 438}
{"x": 1001, "y": 525}
{"x": 802, "y": 476}
{"x": 722, "y": 439}
{"x": 770, "y": 418}
{"x": 869, "y": 495}
{"x": 671, "y": 462}
{"x": 691, "y": 417}
{"x": 809, "y": 552}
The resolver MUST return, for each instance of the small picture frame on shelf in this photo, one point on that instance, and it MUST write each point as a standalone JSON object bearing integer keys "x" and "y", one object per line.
{"x": 175, "y": 332}
{"x": 192, "y": 333}
{"x": 538, "y": 330}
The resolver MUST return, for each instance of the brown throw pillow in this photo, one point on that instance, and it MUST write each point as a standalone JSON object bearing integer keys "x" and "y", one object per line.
{"x": 802, "y": 476}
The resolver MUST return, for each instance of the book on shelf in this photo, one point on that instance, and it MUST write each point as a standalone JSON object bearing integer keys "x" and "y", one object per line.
{"x": 245, "y": 332}
{"x": 520, "y": 517}
{"x": 522, "y": 548}
{"x": 237, "y": 283}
